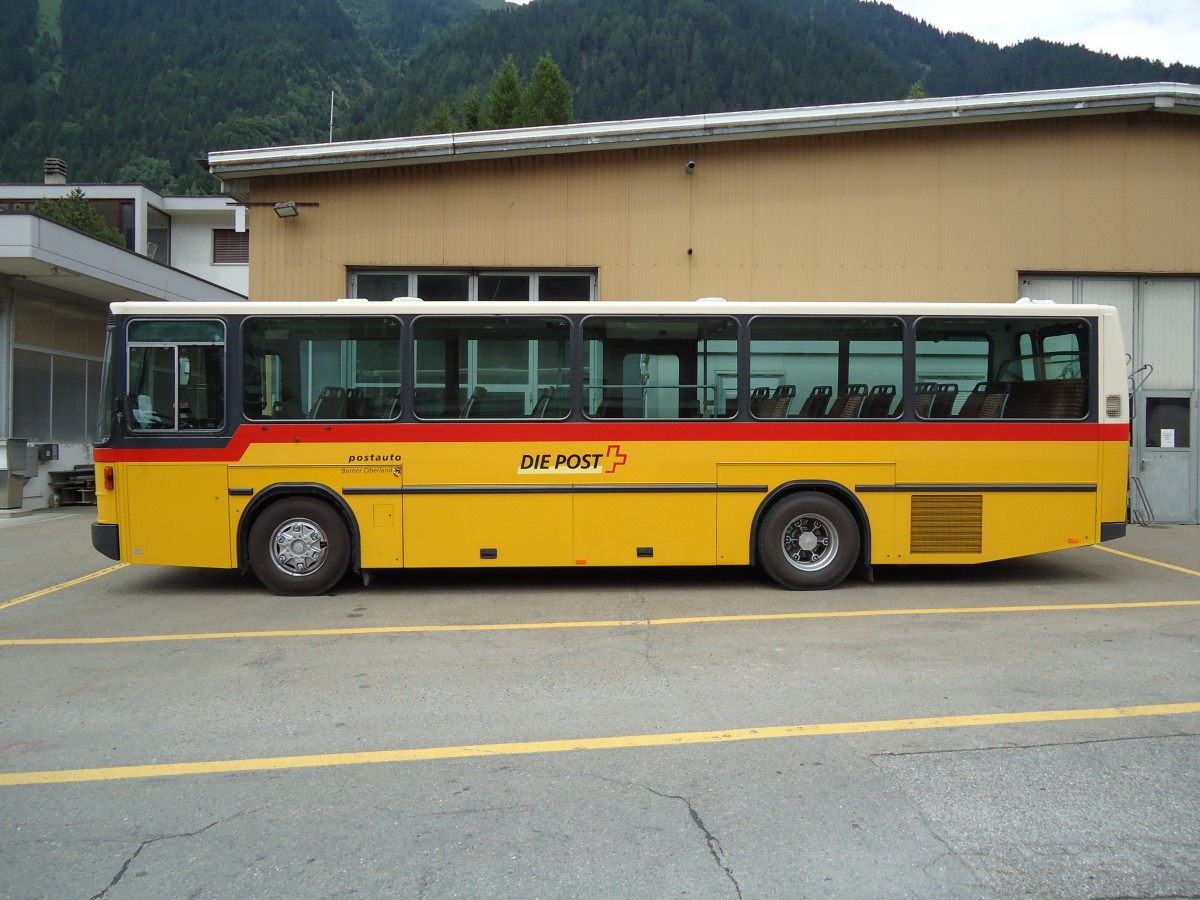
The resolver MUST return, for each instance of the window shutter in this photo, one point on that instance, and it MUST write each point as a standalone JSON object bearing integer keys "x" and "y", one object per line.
{"x": 230, "y": 246}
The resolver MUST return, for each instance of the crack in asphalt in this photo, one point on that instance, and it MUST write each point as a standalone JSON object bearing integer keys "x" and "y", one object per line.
{"x": 714, "y": 844}
{"x": 154, "y": 840}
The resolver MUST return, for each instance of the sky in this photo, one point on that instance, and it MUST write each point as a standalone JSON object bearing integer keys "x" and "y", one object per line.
{"x": 1166, "y": 30}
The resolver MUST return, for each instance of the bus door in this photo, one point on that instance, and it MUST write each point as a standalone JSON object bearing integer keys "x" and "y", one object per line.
{"x": 173, "y": 410}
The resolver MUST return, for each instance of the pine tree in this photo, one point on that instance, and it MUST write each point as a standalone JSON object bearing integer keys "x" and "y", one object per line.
{"x": 471, "y": 111}
{"x": 442, "y": 120}
{"x": 504, "y": 97}
{"x": 547, "y": 99}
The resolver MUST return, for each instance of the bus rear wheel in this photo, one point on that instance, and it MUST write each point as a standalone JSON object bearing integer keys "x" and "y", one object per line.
{"x": 299, "y": 547}
{"x": 808, "y": 542}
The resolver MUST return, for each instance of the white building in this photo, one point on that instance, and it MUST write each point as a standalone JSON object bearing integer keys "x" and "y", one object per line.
{"x": 55, "y": 286}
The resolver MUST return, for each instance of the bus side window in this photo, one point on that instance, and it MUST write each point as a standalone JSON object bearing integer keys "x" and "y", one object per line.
{"x": 480, "y": 367}
{"x": 830, "y": 362}
{"x": 321, "y": 367}
{"x": 1012, "y": 368}
{"x": 668, "y": 367}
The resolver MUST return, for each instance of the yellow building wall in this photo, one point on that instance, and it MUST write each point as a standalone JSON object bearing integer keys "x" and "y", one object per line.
{"x": 939, "y": 212}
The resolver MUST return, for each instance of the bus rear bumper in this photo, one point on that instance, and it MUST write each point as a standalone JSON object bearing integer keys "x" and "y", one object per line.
{"x": 1110, "y": 531}
{"x": 107, "y": 539}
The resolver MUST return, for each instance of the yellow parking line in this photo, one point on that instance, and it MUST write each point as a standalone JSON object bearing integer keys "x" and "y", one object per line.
{"x": 275, "y": 763}
{"x": 58, "y": 587}
{"x": 1153, "y": 562}
{"x": 604, "y": 623}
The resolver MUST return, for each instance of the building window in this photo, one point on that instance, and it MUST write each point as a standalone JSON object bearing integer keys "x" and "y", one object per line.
{"x": 230, "y": 247}
{"x": 56, "y": 361}
{"x": 471, "y": 287}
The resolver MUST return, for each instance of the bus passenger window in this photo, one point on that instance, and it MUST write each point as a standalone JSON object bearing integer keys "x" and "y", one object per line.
{"x": 644, "y": 367}
{"x": 321, "y": 367}
{"x": 1010, "y": 368}
{"x": 843, "y": 367}
{"x": 481, "y": 367}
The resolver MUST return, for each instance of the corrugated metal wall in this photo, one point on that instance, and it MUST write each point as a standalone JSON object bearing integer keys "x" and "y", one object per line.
{"x": 943, "y": 213}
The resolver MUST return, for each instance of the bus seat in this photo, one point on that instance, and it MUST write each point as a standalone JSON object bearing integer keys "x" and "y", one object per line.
{"x": 879, "y": 401}
{"x": 943, "y": 401}
{"x": 924, "y": 398}
{"x": 358, "y": 404}
{"x": 777, "y": 406}
{"x": 758, "y": 397}
{"x": 471, "y": 408}
{"x": 816, "y": 402}
{"x": 985, "y": 401}
{"x": 1060, "y": 399}
{"x": 539, "y": 408}
{"x": 935, "y": 401}
{"x": 392, "y": 406}
{"x": 331, "y": 403}
{"x": 847, "y": 404}
{"x": 144, "y": 414}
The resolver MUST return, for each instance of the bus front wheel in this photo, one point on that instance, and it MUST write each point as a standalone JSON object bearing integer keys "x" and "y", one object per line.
{"x": 299, "y": 546}
{"x": 808, "y": 542}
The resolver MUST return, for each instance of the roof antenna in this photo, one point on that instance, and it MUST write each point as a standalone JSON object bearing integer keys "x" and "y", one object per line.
{"x": 331, "y": 92}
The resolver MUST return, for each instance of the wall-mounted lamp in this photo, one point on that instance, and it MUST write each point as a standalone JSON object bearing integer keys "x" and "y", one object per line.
{"x": 285, "y": 209}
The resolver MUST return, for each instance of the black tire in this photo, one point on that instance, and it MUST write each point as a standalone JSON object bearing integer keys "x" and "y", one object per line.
{"x": 808, "y": 542}
{"x": 299, "y": 547}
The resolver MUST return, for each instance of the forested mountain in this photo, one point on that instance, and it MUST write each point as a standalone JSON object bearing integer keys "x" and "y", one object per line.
{"x": 631, "y": 58}
{"x": 398, "y": 29}
{"x": 138, "y": 90}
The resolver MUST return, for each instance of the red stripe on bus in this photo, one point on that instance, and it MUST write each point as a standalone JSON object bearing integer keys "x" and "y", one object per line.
{"x": 561, "y": 432}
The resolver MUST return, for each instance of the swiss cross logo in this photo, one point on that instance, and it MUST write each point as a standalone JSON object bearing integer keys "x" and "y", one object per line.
{"x": 614, "y": 457}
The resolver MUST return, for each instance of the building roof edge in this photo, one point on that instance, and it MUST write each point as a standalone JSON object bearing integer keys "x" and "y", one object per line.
{"x": 239, "y": 165}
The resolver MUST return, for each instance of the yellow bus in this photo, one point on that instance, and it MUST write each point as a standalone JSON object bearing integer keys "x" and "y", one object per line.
{"x": 306, "y": 441}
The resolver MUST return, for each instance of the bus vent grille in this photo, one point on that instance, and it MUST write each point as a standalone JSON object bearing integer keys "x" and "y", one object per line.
{"x": 947, "y": 523}
{"x": 1112, "y": 406}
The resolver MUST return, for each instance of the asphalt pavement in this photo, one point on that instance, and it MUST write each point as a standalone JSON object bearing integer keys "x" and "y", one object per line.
{"x": 1023, "y": 728}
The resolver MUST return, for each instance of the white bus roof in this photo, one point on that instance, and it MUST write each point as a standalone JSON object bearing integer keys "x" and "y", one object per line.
{"x": 705, "y": 307}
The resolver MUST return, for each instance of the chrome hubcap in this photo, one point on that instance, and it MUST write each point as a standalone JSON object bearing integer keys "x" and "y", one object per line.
{"x": 809, "y": 542}
{"x": 299, "y": 547}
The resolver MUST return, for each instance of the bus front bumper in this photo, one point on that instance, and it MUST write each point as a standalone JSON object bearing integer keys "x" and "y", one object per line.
{"x": 107, "y": 539}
